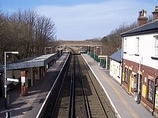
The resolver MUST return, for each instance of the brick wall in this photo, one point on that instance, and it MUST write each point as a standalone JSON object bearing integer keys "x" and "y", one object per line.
{"x": 147, "y": 73}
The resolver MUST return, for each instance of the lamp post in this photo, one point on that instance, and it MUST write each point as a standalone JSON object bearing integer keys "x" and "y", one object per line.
{"x": 106, "y": 60}
{"x": 94, "y": 53}
{"x": 91, "y": 51}
{"x": 139, "y": 77}
{"x": 5, "y": 75}
{"x": 88, "y": 49}
{"x": 100, "y": 49}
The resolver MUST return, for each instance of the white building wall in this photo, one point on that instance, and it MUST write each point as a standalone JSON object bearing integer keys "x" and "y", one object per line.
{"x": 115, "y": 70}
{"x": 146, "y": 49}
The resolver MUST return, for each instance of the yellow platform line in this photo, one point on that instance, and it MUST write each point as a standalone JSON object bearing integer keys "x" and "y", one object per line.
{"x": 121, "y": 98}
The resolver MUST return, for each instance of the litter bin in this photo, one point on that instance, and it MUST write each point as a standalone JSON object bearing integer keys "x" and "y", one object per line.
{"x": 137, "y": 97}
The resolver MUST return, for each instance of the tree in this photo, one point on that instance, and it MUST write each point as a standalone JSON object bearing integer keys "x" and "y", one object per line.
{"x": 26, "y": 32}
{"x": 113, "y": 41}
{"x": 44, "y": 32}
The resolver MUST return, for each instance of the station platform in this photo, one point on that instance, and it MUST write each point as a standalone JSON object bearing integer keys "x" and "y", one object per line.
{"x": 124, "y": 105}
{"x": 29, "y": 105}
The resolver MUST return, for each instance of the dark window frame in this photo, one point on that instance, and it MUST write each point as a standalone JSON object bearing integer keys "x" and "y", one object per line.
{"x": 150, "y": 90}
{"x": 126, "y": 75}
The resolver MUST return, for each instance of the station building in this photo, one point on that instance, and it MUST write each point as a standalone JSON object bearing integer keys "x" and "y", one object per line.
{"x": 140, "y": 61}
{"x": 116, "y": 66}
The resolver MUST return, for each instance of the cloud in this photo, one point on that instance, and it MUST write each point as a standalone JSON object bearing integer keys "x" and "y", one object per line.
{"x": 88, "y": 21}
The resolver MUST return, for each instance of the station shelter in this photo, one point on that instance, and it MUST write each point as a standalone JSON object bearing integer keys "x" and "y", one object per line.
{"x": 27, "y": 71}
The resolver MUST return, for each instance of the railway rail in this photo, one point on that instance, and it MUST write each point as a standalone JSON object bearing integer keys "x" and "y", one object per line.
{"x": 78, "y": 94}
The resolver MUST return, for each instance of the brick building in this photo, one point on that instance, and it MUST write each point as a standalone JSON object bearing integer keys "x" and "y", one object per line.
{"x": 140, "y": 61}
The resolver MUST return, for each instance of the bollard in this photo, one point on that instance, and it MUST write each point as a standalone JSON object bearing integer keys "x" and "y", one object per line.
{"x": 8, "y": 100}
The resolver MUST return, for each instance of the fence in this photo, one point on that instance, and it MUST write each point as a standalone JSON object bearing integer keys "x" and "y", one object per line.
{"x": 102, "y": 62}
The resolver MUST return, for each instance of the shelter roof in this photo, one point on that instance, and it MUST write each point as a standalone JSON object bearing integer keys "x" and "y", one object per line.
{"x": 151, "y": 27}
{"x": 31, "y": 62}
{"x": 116, "y": 56}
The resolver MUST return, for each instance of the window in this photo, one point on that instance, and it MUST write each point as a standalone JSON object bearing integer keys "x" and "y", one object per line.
{"x": 156, "y": 46}
{"x": 150, "y": 90}
{"x": 137, "y": 51}
{"x": 125, "y": 45}
{"x": 155, "y": 51}
{"x": 126, "y": 75}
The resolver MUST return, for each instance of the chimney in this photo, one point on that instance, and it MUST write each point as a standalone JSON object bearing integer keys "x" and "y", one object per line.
{"x": 155, "y": 13}
{"x": 142, "y": 19}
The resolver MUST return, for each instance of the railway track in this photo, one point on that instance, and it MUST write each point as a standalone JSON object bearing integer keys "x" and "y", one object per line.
{"x": 79, "y": 94}
{"x": 99, "y": 104}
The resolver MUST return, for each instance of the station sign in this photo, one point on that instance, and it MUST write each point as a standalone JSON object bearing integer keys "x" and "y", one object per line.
{"x": 12, "y": 80}
{"x": 102, "y": 56}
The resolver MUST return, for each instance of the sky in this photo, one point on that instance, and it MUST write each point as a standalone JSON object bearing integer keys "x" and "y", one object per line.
{"x": 83, "y": 19}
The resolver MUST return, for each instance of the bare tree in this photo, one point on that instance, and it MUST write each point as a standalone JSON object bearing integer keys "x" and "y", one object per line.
{"x": 113, "y": 41}
{"x": 20, "y": 29}
{"x": 26, "y": 32}
{"x": 44, "y": 32}
{"x": 3, "y": 40}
